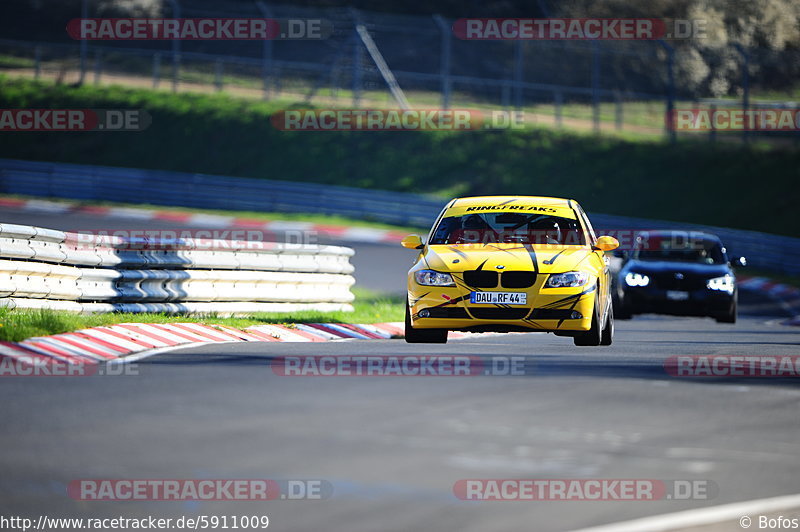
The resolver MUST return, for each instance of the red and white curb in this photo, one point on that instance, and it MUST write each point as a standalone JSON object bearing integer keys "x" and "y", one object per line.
{"x": 189, "y": 219}
{"x": 125, "y": 342}
{"x": 128, "y": 341}
{"x": 786, "y": 295}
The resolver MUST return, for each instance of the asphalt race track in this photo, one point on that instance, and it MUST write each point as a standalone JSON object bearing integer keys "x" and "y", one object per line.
{"x": 393, "y": 447}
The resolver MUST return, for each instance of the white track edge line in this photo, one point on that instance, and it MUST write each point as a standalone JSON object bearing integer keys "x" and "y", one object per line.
{"x": 700, "y": 516}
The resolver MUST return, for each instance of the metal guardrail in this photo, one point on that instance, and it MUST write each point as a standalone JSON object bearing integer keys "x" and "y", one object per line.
{"x": 764, "y": 251}
{"x": 44, "y": 268}
{"x": 103, "y": 183}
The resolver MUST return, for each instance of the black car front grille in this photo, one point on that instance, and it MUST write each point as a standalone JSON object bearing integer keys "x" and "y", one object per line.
{"x": 517, "y": 279}
{"x": 446, "y": 312}
{"x": 480, "y": 278}
{"x": 499, "y": 313}
{"x": 668, "y": 281}
{"x": 489, "y": 279}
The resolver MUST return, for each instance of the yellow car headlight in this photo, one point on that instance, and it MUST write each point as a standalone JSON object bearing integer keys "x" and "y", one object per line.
{"x": 567, "y": 280}
{"x": 433, "y": 278}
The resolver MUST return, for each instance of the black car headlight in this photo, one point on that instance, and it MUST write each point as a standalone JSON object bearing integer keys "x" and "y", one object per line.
{"x": 722, "y": 284}
{"x": 636, "y": 279}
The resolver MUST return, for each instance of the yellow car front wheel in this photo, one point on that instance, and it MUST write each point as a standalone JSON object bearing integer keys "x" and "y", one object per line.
{"x": 598, "y": 334}
{"x": 423, "y": 336}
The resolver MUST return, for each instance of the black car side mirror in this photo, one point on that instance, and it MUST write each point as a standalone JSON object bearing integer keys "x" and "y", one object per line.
{"x": 620, "y": 253}
{"x": 738, "y": 262}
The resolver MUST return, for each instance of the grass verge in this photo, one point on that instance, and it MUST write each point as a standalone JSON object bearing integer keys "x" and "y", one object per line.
{"x": 19, "y": 324}
{"x": 729, "y": 185}
{"x": 791, "y": 280}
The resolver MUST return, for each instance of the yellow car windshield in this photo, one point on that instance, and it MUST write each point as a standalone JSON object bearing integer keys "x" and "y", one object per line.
{"x": 509, "y": 227}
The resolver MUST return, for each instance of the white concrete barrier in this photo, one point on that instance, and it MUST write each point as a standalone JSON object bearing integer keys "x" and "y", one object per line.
{"x": 44, "y": 268}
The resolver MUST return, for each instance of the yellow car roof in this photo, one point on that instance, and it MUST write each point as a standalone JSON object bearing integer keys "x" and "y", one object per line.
{"x": 529, "y": 204}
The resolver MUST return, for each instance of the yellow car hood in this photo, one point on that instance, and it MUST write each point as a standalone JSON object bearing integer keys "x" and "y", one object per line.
{"x": 513, "y": 257}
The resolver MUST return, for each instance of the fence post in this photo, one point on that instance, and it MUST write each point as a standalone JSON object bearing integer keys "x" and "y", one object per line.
{"x": 618, "y": 111}
{"x": 358, "y": 57}
{"x": 559, "y": 102}
{"x": 218, "y": 71}
{"x": 84, "y": 42}
{"x": 156, "y": 69}
{"x": 37, "y": 58}
{"x": 98, "y": 65}
{"x": 596, "y": 86}
{"x": 266, "y": 52}
{"x": 518, "y": 74}
{"x": 669, "y": 121}
{"x": 444, "y": 68}
{"x": 712, "y": 134}
{"x": 745, "y": 85}
{"x": 176, "y": 47}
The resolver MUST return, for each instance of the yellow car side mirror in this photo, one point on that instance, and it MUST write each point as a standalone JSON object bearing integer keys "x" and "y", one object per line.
{"x": 606, "y": 243}
{"x": 412, "y": 242}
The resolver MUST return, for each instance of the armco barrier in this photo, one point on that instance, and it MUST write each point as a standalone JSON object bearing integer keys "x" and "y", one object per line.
{"x": 104, "y": 183}
{"x": 98, "y": 183}
{"x": 44, "y": 268}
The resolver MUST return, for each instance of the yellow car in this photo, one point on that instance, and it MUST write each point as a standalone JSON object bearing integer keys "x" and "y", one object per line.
{"x": 510, "y": 263}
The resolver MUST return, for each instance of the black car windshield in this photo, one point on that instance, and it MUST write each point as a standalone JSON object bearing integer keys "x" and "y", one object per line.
{"x": 679, "y": 249}
{"x": 508, "y": 227}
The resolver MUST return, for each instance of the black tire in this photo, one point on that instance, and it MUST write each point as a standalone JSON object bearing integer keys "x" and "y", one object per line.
{"x": 593, "y": 336}
{"x": 423, "y": 336}
{"x": 624, "y": 313}
{"x": 607, "y": 335}
{"x": 622, "y": 310}
{"x": 730, "y": 316}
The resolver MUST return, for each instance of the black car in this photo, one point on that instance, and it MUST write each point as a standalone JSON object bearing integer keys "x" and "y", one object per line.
{"x": 680, "y": 273}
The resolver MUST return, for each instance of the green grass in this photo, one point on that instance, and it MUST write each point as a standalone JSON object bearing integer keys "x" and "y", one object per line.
{"x": 19, "y": 324}
{"x": 13, "y": 61}
{"x": 723, "y": 184}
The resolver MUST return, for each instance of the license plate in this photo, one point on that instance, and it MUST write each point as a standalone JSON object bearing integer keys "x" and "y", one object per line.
{"x": 677, "y": 295}
{"x": 498, "y": 298}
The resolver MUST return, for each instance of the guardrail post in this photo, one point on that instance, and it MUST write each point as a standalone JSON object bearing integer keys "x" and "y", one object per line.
{"x": 444, "y": 67}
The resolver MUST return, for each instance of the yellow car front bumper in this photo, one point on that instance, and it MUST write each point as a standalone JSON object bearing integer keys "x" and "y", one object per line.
{"x": 546, "y": 309}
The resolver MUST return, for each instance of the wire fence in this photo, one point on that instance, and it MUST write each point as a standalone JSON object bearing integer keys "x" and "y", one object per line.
{"x": 590, "y": 85}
